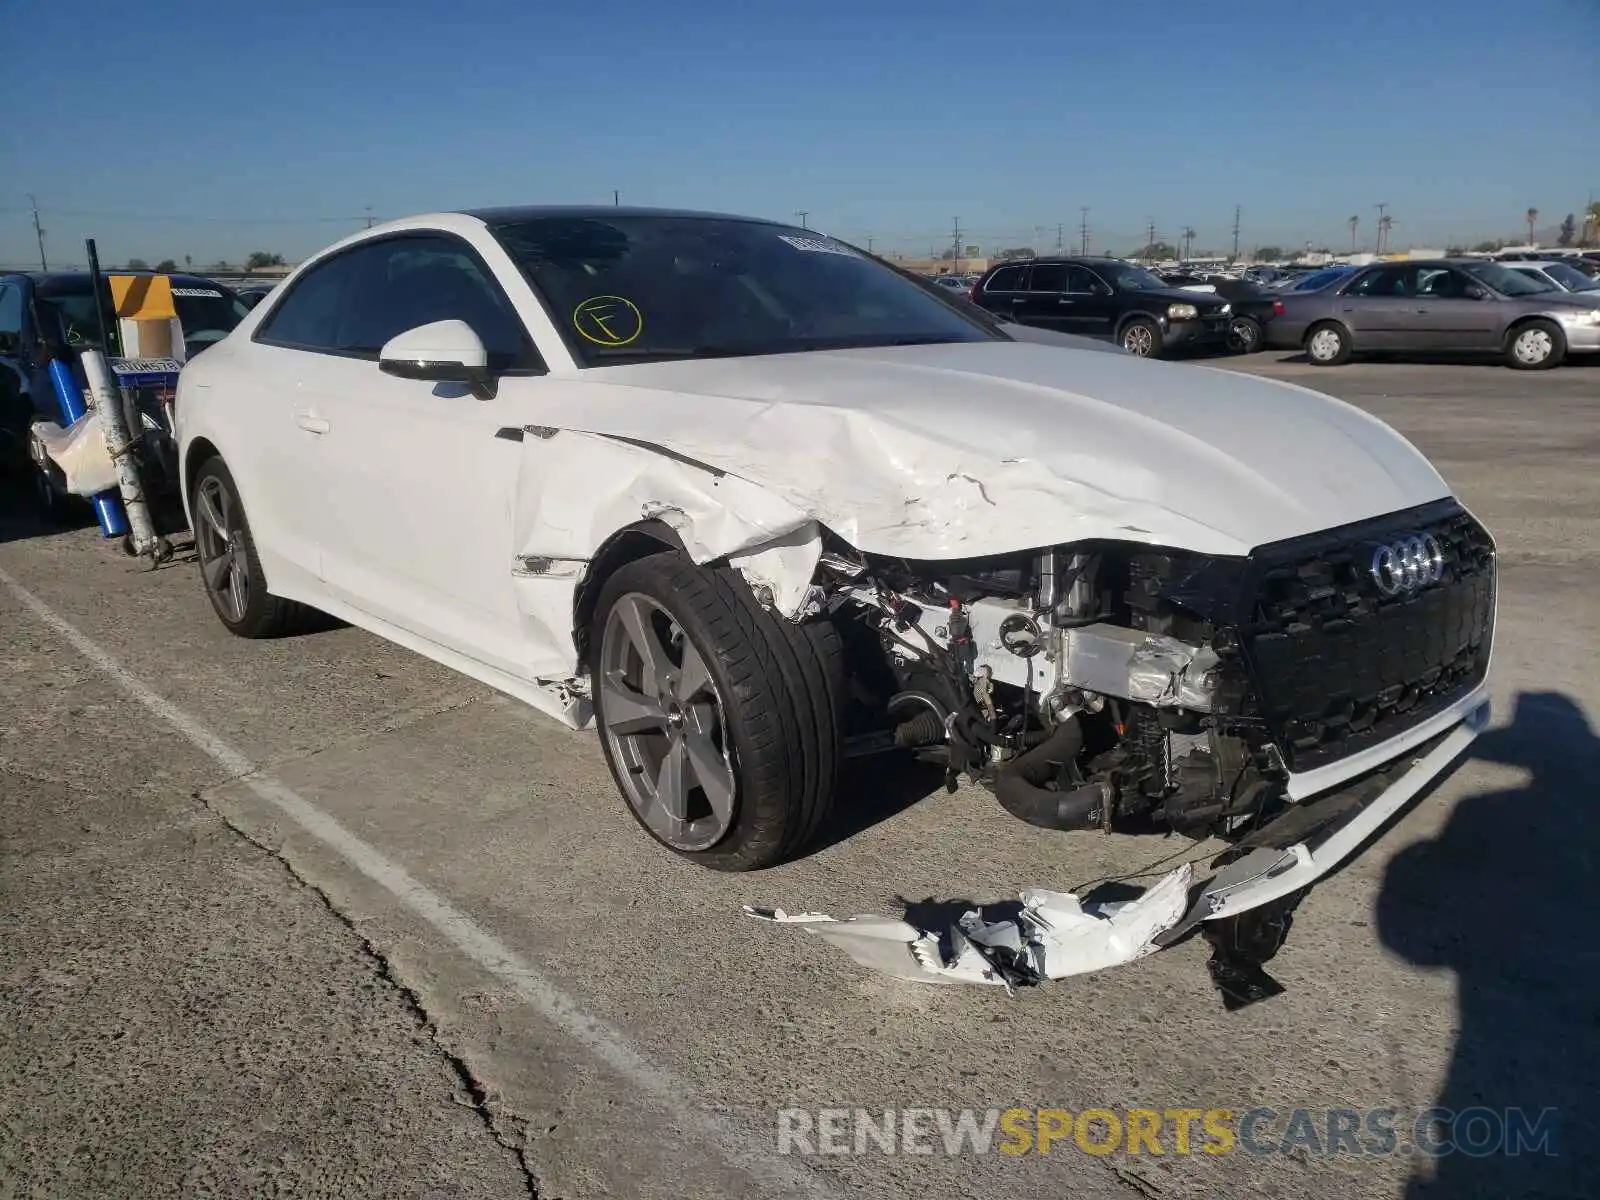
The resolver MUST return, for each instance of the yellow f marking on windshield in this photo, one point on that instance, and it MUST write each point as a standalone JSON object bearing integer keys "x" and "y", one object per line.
{"x": 608, "y": 320}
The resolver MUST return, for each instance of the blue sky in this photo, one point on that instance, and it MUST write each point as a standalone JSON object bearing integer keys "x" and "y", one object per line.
{"x": 274, "y": 126}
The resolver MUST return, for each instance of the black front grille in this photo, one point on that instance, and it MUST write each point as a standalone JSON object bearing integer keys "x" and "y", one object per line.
{"x": 1336, "y": 665}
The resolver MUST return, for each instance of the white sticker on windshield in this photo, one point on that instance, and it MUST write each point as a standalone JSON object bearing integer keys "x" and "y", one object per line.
{"x": 818, "y": 246}
{"x": 197, "y": 292}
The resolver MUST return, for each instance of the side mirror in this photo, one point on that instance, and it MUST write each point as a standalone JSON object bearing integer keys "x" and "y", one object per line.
{"x": 441, "y": 352}
{"x": 1473, "y": 292}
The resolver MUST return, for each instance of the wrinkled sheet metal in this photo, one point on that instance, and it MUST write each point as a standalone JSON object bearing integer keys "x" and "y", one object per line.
{"x": 80, "y": 451}
{"x": 960, "y": 450}
{"x": 1054, "y": 935}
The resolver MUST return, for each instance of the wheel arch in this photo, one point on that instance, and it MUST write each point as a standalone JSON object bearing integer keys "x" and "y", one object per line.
{"x": 626, "y": 545}
{"x": 1137, "y": 314}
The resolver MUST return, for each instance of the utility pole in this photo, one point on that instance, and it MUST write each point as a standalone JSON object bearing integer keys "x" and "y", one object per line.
{"x": 1083, "y": 231}
{"x": 869, "y": 243}
{"x": 1382, "y": 229}
{"x": 38, "y": 232}
{"x": 955, "y": 242}
{"x": 369, "y": 216}
{"x": 616, "y": 197}
{"x": 802, "y": 214}
{"x": 1188, "y": 242}
{"x": 1059, "y": 229}
{"x": 1236, "y": 212}
{"x": 1150, "y": 238}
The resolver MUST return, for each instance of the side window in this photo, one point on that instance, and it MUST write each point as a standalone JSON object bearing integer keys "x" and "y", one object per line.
{"x": 1385, "y": 281}
{"x": 356, "y": 302}
{"x": 1080, "y": 281}
{"x": 1006, "y": 279}
{"x": 1048, "y": 277}
{"x": 406, "y": 282}
{"x": 308, "y": 317}
{"x": 10, "y": 318}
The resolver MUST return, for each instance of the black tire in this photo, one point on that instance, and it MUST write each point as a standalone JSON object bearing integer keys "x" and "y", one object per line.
{"x": 1244, "y": 335}
{"x": 263, "y": 615}
{"x": 1145, "y": 338}
{"x": 1529, "y": 339}
{"x": 777, "y": 684}
{"x": 1328, "y": 344}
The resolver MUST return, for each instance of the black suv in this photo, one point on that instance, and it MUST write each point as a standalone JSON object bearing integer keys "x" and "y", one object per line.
{"x": 1105, "y": 298}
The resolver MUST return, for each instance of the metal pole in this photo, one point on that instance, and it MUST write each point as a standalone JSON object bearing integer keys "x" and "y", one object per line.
{"x": 110, "y": 340}
{"x": 38, "y": 233}
{"x": 112, "y": 405}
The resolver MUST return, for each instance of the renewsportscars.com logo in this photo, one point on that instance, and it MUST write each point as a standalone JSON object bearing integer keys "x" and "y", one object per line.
{"x": 1432, "y": 1132}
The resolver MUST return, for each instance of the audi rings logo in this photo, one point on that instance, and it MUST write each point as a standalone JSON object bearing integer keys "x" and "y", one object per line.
{"x": 1408, "y": 565}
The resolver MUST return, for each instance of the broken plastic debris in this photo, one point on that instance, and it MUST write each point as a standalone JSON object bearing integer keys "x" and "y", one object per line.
{"x": 1053, "y": 935}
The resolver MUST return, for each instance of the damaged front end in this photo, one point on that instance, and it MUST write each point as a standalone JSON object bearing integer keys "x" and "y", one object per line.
{"x": 1288, "y": 702}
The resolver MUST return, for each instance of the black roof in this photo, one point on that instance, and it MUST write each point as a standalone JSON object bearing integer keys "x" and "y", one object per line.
{"x": 533, "y": 212}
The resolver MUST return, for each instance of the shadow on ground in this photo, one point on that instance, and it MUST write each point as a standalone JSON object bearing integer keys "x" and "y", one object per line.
{"x": 1505, "y": 898}
{"x": 874, "y": 789}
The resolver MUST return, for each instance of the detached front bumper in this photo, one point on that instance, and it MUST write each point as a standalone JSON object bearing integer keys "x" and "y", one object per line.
{"x": 1331, "y": 820}
{"x": 1055, "y": 935}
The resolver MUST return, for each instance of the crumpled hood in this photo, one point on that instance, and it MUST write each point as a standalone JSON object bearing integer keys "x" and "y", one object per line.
{"x": 956, "y": 450}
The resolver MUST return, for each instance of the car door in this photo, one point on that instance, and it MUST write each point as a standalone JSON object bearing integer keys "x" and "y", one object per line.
{"x": 1045, "y": 304}
{"x": 1006, "y": 291}
{"x": 1093, "y": 311}
{"x": 1454, "y": 312}
{"x": 1378, "y": 307}
{"x": 421, "y": 536}
{"x": 16, "y": 406}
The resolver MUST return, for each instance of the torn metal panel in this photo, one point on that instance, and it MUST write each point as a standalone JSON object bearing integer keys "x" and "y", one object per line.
{"x": 1054, "y": 935}
{"x": 1117, "y": 661}
{"x": 983, "y": 448}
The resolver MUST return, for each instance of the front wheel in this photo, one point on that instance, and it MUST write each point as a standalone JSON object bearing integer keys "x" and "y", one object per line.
{"x": 1141, "y": 337}
{"x": 1244, "y": 335}
{"x": 718, "y": 718}
{"x": 1536, "y": 346}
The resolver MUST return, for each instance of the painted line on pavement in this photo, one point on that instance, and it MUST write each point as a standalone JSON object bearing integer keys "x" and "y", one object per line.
{"x": 749, "y": 1153}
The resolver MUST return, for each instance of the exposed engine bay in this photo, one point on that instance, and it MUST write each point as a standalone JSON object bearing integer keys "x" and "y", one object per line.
{"x": 1120, "y": 687}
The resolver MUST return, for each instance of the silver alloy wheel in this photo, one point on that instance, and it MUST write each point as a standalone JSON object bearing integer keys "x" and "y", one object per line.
{"x": 1137, "y": 339}
{"x": 1242, "y": 336}
{"x": 1325, "y": 345}
{"x": 1533, "y": 346}
{"x": 217, "y": 542}
{"x": 663, "y": 721}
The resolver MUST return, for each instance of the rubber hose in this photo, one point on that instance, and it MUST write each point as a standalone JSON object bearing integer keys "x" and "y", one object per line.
{"x": 1018, "y": 785}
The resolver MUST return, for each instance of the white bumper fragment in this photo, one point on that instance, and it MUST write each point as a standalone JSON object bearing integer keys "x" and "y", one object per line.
{"x": 1054, "y": 936}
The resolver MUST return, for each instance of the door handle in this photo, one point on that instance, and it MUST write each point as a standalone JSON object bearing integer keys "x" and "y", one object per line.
{"x": 1422, "y": 310}
{"x": 311, "y": 423}
{"x": 1066, "y": 300}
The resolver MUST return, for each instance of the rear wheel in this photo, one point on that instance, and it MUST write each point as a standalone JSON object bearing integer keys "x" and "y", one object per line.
{"x": 718, "y": 718}
{"x": 1536, "y": 346}
{"x": 1141, "y": 337}
{"x": 229, "y": 567}
{"x": 1328, "y": 345}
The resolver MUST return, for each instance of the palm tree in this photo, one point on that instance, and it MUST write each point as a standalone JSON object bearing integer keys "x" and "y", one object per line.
{"x": 1385, "y": 224}
{"x": 1533, "y": 217}
{"x": 1355, "y": 223}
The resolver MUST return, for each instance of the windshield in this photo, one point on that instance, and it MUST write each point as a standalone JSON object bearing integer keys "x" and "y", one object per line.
{"x": 1571, "y": 278}
{"x": 1126, "y": 277}
{"x": 206, "y": 313}
{"x": 632, "y": 288}
{"x": 1506, "y": 281}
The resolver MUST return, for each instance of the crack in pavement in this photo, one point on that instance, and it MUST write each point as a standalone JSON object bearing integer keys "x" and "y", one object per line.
{"x": 479, "y": 1100}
